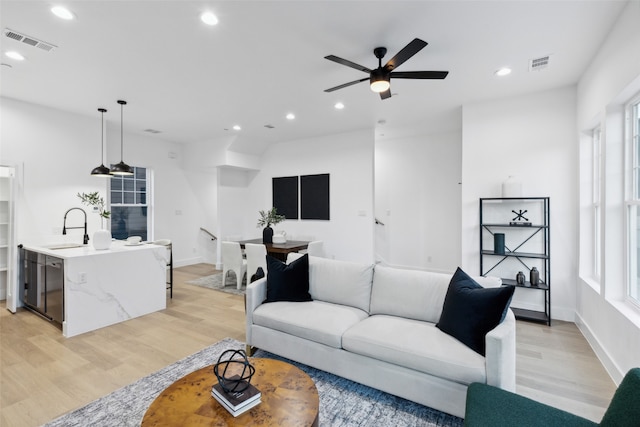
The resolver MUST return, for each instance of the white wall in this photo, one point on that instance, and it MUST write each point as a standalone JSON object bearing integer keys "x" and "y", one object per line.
{"x": 610, "y": 325}
{"x": 55, "y": 152}
{"x": 417, "y": 196}
{"x": 348, "y": 158}
{"x": 532, "y": 138}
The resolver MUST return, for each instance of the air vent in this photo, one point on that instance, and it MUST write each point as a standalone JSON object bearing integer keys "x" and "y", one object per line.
{"x": 31, "y": 41}
{"x": 538, "y": 64}
{"x": 270, "y": 126}
{"x": 153, "y": 131}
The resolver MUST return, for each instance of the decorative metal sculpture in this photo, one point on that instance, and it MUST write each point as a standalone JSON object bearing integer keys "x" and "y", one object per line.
{"x": 234, "y": 383}
{"x": 520, "y": 219}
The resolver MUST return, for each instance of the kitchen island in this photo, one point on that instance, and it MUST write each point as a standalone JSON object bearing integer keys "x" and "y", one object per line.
{"x": 101, "y": 287}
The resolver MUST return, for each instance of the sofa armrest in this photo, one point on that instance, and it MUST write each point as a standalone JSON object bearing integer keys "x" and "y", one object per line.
{"x": 500, "y": 354}
{"x": 254, "y": 296}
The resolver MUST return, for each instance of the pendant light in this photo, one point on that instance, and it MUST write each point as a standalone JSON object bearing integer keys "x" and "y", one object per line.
{"x": 121, "y": 168}
{"x": 101, "y": 170}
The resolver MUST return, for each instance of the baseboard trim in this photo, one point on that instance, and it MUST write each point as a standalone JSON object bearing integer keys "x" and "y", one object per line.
{"x": 188, "y": 261}
{"x": 610, "y": 366}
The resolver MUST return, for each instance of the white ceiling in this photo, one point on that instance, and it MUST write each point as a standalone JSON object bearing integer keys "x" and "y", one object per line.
{"x": 264, "y": 59}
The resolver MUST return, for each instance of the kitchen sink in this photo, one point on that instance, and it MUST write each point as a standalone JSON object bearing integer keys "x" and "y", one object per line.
{"x": 63, "y": 246}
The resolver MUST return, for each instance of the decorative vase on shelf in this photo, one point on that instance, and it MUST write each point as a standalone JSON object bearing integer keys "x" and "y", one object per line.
{"x": 534, "y": 277}
{"x": 267, "y": 235}
{"x": 520, "y": 278}
{"x": 498, "y": 243}
{"x": 102, "y": 239}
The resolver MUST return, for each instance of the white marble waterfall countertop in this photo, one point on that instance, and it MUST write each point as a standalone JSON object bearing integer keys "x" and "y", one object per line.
{"x": 104, "y": 287}
{"x": 61, "y": 251}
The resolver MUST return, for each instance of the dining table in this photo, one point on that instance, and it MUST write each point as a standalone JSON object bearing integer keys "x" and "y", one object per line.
{"x": 279, "y": 250}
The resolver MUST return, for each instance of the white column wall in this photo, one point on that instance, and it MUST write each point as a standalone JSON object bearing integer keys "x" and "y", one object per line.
{"x": 417, "y": 196}
{"x": 532, "y": 138}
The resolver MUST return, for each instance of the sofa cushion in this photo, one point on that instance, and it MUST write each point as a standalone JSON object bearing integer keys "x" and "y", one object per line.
{"x": 317, "y": 321}
{"x": 288, "y": 282}
{"x": 470, "y": 311}
{"x": 412, "y": 294}
{"x": 417, "y": 345}
{"x": 340, "y": 282}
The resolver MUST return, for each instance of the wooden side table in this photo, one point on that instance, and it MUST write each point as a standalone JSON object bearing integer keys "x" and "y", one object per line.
{"x": 289, "y": 398}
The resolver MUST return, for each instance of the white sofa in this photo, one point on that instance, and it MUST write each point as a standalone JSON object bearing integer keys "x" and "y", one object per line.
{"x": 376, "y": 326}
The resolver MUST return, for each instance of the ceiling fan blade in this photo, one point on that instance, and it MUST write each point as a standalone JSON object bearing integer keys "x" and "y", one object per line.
{"x": 346, "y": 85}
{"x": 419, "y": 74}
{"x": 407, "y": 52}
{"x": 386, "y": 94}
{"x": 347, "y": 63}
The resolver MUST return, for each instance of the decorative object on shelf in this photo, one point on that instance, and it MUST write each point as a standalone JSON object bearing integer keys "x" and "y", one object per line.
{"x": 534, "y": 277}
{"x": 520, "y": 220}
{"x": 121, "y": 168}
{"x": 268, "y": 218}
{"x": 498, "y": 243}
{"x": 511, "y": 188}
{"x": 101, "y": 170}
{"x": 102, "y": 237}
{"x": 234, "y": 383}
{"x": 520, "y": 278}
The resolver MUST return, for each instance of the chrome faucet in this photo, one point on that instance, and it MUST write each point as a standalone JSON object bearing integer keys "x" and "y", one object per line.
{"x": 85, "y": 240}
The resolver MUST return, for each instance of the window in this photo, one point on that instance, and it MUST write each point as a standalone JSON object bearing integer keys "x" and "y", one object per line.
{"x": 596, "y": 200}
{"x": 130, "y": 203}
{"x": 633, "y": 199}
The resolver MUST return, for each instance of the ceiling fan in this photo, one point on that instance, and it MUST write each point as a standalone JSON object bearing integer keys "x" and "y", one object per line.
{"x": 380, "y": 77}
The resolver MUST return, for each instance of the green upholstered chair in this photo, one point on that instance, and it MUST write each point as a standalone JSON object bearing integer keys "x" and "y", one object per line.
{"x": 493, "y": 407}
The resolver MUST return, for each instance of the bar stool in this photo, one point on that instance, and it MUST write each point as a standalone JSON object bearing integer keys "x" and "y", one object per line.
{"x": 167, "y": 243}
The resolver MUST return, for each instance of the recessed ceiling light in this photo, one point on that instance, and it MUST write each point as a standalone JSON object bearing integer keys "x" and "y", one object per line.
{"x": 209, "y": 18}
{"x": 62, "y": 12}
{"x": 339, "y": 106}
{"x": 291, "y": 116}
{"x": 14, "y": 55}
{"x": 236, "y": 127}
{"x": 504, "y": 71}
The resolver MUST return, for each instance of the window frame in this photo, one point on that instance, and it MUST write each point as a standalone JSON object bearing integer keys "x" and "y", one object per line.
{"x": 148, "y": 191}
{"x": 596, "y": 201}
{"x": 632, "y": 200}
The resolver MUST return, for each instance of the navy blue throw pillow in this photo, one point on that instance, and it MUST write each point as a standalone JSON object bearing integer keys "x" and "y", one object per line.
{"x": 470, "y": 311}
{"x": 288, "y": 282}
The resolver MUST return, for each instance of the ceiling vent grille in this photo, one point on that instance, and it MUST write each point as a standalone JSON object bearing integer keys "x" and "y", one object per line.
{"x": 540, "y": 63}
{"x": 31, "y": 41}
{"x": 153, "y": 131}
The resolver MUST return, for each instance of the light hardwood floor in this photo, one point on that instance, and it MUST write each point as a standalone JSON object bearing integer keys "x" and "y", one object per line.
{"x": 43, "y": 375}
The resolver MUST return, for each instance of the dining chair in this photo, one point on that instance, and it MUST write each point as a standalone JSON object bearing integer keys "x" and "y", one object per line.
{"x": 256, "y": 257}
{"x": 232, "y": 260}
{"x": 169, "y": 260}
{"x": 316, "y": 248}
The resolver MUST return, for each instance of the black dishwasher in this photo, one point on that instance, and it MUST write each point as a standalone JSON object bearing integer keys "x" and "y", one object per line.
{"x": 43, "y": 277}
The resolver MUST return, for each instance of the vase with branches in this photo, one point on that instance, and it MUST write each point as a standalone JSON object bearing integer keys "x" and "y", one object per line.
{"x": 267, "y": 219}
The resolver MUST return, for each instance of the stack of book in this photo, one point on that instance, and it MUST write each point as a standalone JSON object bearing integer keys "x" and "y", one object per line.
{"x": 237, "y": 403}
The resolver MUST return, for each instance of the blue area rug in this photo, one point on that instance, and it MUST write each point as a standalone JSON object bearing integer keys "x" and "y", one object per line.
{"x": 343, "y": 403}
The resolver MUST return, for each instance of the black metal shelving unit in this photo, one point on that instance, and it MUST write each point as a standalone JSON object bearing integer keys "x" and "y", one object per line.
{"x": 528, "y": 234}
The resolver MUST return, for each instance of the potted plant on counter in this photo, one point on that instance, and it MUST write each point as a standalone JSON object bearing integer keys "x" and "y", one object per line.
{"x": 268, "y": 218}
{"x": 102, "y": 237}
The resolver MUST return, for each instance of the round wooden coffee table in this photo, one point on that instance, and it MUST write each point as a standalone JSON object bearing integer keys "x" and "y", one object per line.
{"x": 289, "y": 398}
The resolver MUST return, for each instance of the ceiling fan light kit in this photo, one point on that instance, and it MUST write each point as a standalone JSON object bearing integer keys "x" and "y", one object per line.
{"x": 380, "y": 78}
